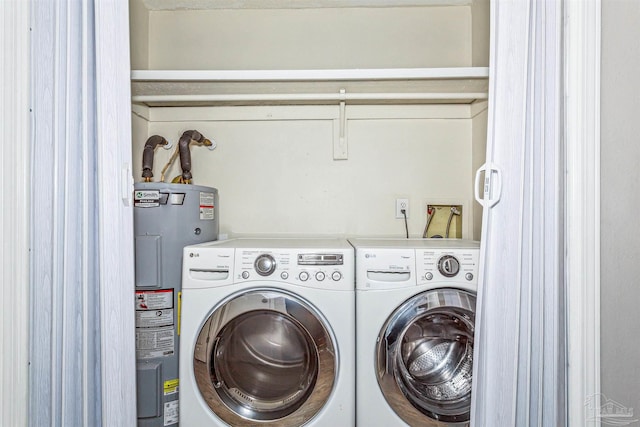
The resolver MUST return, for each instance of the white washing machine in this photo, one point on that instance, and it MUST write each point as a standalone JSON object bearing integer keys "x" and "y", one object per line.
{"x": 415, "y": 321}
{"x": 268, "y": 333}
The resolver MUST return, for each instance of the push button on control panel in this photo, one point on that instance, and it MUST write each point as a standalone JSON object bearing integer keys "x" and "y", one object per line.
{"x": 304, "y": 276}
{"x": 336, "y": 275}
{"x": 320, "y": 276}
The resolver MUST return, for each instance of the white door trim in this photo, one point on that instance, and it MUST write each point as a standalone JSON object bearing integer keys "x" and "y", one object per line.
{"x": 113, "y": 134}
{"x": 14, "y": 219}
{"x": 582, "y": 133}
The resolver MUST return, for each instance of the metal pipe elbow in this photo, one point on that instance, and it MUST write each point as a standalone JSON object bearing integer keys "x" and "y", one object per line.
{"x": 185, "y": 154}
{"x": 147, "y": 155}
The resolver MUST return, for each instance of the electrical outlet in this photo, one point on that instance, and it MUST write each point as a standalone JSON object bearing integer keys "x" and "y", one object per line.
{"x": 400, "y": 205}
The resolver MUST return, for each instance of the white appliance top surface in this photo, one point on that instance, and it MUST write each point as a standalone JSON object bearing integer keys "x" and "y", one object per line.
{"x": 316, "y": 243}
{"x": 437, "y": 244}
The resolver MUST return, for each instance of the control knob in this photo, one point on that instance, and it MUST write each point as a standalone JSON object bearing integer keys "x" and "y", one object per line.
{"x": 448, "y": 266}
{"x": 265, "y": 264}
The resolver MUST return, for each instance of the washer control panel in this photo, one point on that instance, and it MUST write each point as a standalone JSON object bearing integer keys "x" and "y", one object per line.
{"x": 317, "y": 269}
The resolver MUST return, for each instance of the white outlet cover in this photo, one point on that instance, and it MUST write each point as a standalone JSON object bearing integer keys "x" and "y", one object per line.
{"x": 402, "y": 204}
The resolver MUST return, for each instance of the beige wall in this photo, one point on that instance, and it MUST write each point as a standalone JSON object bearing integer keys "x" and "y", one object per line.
{"x": 480, "y": 33}
{"x": 620, "y": 200}
{"x": 311, "y": 38}
{"x": 139, "y": 35}
{"x": 279, "y": 176}
{"x": 479, "y": 152}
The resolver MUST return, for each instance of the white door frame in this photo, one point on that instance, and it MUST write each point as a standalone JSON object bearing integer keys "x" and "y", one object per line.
{"x": 14, "y": 219}
{"x": 583, "y": 275}
{"x": 115, "y": 194}
{"x": 582, "y": 227}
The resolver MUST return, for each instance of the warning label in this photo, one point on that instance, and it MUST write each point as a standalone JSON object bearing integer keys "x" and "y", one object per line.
{"x": 146, "y": 198}
{"x": 207, "y": 206}
{"x": 171, "y": 386}
{"x": 155, "y": 342}
{"x": 154, "y": 300}
{"x": 154, "y": 318}
{"x": 155, "y": 325}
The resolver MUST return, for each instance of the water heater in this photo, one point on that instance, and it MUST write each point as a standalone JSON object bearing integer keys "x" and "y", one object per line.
{"x": 167, "y": 217}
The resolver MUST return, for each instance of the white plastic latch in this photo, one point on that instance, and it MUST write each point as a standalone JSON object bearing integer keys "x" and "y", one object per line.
{"x": 491, "y": 186}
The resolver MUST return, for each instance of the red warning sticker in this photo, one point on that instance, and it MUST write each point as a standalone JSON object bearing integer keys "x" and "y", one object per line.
{"x": 207, "y": 208}
{"x": 154, "y": 300}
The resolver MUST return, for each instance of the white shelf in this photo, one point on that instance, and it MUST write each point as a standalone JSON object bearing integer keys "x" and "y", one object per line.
{"x": 461, "y": 85}
{"x": 292, "y": 4}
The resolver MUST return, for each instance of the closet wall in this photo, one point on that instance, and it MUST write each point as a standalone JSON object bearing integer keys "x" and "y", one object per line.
{"x": 619, "y": 247}
{"x": 274, "y": 164}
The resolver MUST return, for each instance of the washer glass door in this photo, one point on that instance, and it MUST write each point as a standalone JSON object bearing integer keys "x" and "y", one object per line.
{"x": 424, "y": 357}
{"x": 265, "y": 355}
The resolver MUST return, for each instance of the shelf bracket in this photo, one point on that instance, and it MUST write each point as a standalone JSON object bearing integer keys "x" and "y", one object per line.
{"x": 340, "y": 151}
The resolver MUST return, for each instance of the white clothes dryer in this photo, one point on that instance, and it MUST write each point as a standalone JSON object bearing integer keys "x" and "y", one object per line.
{"x": 415, "y": 322}
{"x": 268, "y": 333}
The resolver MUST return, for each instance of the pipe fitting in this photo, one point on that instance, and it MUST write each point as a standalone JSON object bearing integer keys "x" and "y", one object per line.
{"x": 185, "y": 154}
{"x": 147, "y": 155}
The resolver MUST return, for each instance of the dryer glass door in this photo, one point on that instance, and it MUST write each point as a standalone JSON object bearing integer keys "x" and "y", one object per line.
{"x": 268, "y": 357}
{"x": 424, "y": 356}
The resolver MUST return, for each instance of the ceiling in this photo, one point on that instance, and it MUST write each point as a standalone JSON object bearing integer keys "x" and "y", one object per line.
{"x": 292, "y": 4}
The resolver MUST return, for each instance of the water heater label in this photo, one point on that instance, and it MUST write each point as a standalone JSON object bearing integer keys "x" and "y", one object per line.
{"x": 155, "y": 342}
{"x": 146, "y": 198}
{"x": 171, "y": 412}
{"x": 154, "y": 300}
{"x": 207, "y": 206}
{"x": 155, "y": 326}
{"x": 154, "y": 318}
{"x": 171, "y": 386}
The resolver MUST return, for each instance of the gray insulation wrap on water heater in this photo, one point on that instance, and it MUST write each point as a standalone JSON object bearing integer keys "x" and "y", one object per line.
{"x": 167, "y": 217}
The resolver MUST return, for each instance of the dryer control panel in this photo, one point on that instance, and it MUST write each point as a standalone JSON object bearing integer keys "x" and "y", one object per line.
{"x": 455, "y": 265}
{"x": 394, "y": 263}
